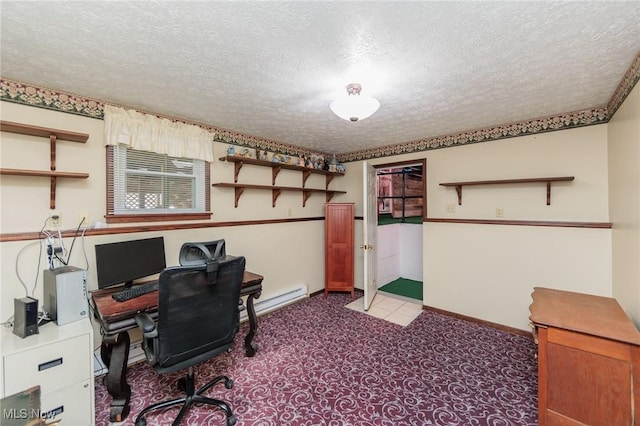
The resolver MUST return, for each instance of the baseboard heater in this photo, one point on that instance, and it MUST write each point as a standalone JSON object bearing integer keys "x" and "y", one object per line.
{"x": 275, "y": 302}
{"x": 287, "y": 297}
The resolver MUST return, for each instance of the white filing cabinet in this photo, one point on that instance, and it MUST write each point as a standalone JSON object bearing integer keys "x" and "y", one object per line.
{"x": 60, "y": 360}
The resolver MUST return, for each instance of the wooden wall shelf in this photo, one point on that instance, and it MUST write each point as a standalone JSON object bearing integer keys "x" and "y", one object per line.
{"x": 458, "y": 185}
{"x": 277, "y": 190}
{"x": 275, "y": 170}
{"x": 276, "y": 167}
{"x": 53, "y": 135}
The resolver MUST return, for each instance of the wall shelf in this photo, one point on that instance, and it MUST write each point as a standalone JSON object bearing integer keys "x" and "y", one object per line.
{"x": 548, "y": 180}
{"x": 276, "y": 167}
{"x": 275, "y": 189}
{"x": 53, "y": 135}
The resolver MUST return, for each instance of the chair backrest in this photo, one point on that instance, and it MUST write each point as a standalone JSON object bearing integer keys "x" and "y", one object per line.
{"x": 198, "y": 314}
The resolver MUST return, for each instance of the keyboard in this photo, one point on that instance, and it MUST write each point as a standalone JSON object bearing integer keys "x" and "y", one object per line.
{"x": 135, "y": 291}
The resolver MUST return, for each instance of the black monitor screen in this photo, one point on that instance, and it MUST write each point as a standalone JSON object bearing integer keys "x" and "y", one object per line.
{"x": 125, "y": 261}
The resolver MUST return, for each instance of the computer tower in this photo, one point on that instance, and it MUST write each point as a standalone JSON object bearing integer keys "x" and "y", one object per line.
{"x": 65, "y": 294}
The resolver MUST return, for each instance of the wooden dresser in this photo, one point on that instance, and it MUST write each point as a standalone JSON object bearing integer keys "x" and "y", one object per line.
{"x": 339, "y": 240}
{"x": 588, "y": 360}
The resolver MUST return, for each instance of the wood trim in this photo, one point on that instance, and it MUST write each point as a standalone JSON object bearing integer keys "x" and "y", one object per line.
{"x": 512, "y": 330}
{"x": 158, "y": 217}
{"x": 558, "y": 224}
{"x": 24, "y": 236}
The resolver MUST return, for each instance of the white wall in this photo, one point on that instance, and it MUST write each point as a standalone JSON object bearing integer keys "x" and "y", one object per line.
{"x": 624, "y": 202}
{"x": 411, "y": 251}
{"x": 287, "y": 254}
{"x": 387, "y": 248}
{"x": 399, "y": 252}
{"x": 489, "y": 271}
{"x": 485, "y": 271}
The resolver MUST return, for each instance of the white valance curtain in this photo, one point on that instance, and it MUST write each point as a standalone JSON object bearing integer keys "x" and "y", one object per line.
{"x": 146, "y": 132}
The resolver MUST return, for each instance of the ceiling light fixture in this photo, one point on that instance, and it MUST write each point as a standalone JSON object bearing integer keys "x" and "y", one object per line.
{"x": 354, "y": 106}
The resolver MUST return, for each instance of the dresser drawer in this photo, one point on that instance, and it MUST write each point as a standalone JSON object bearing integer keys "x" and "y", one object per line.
{"x": 52, "y": 367}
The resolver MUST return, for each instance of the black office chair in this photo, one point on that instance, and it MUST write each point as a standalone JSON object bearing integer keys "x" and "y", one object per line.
{"x": 198, "y": 317}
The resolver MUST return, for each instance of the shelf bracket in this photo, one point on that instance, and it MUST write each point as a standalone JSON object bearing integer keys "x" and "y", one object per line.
{"x": 459, "y": 192}
{"x": 274, "y": 174}
{"x": 305, "y": 176}
{"x": 548, "y": 193}
{"x": 238, "y": 192}
{"x": 330, "y": 196}
{"x": 52, "y": 157}
{"x": 52, "y": 193}
{"x": 329, "y": 179}
{"x": 305, "y": 197}
{"x": 275, "y": 193}
{"x": 236, "y": 171}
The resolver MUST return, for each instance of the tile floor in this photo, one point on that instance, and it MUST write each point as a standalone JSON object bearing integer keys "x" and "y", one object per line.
{"x": 397, "y": 309}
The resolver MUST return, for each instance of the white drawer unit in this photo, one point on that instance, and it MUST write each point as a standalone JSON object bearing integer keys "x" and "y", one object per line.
{"x": 60, "y": 360}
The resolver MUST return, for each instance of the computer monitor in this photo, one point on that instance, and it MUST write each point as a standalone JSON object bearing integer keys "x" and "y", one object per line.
{"x": 125, "y": 261}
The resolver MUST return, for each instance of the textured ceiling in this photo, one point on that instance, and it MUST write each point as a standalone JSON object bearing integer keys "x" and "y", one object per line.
{"x": 270, "y": 69}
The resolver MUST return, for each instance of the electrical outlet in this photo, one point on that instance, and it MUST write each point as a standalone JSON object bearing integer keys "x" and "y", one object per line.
{"x": 499, "y": 212}
{"x": 55, "y": 220}
{"x": 450, "y": 208}
{"x": 84, "y": 215}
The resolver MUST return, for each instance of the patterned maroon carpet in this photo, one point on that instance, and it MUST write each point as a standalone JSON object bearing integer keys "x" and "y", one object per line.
{"x": 322, "y": 364}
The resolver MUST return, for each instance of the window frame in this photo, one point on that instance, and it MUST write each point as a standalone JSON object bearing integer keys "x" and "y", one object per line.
{"x": 401, "y": 164}
{"x": 164, "y": 216}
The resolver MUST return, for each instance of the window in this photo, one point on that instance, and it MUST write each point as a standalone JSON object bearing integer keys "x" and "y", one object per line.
{"x": 401, "y": 190}
{"x": 142, "y": 183}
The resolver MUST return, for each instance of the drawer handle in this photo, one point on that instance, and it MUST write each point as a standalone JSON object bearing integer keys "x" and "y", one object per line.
{"x": 53, "y": 413}
{"x": 50, "y": 364}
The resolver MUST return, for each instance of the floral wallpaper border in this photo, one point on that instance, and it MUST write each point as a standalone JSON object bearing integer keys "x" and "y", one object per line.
{"x": 32, "y": 95}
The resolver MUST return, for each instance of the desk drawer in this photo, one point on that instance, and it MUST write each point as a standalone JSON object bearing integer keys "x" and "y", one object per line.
{"x": 52, "y": 367}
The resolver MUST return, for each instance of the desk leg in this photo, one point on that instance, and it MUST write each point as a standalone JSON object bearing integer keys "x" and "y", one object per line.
{"x": 115, "y": 355}
{"x": 251, "y": 349}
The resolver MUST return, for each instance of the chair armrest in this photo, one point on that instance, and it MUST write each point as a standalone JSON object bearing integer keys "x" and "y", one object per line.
{"x": 147, "y": 325}
{"x": 149, "y": 336}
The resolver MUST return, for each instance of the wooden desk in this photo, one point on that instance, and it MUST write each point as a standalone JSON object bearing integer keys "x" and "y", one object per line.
{"x": 117, "y": 317}
{"x": 588, "y": 360}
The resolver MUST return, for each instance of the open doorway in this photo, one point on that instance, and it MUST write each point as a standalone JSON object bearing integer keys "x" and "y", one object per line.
{"x": 401, "y": 202}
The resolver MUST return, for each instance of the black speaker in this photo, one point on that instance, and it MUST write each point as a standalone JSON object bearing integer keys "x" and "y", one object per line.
{"x": 25, "y": 322}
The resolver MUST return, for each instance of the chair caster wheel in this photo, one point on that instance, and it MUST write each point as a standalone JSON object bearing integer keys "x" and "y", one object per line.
{"x": 228, "y": 384}
{"x": 231, "y": 420}
{"x": 182, "y": 384}
{"x": 141, "y": 422}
